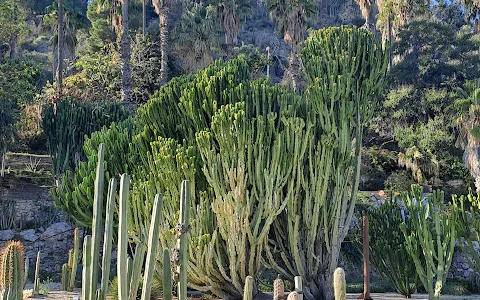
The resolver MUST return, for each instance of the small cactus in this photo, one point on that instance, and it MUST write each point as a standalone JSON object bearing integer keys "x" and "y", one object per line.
{"x": 36, "y": 280}
{"x": 278, "y": 289}
{"x": 339, "y": 284}
{"x": 248, "y": 290}
{"x": 294, "y": 296}
{"x": 12, "y": 271}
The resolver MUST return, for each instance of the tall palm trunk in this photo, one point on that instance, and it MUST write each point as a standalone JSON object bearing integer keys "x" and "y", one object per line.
{"x": 144, "y": 18}
{"x": 125, "y": 56}
{"x": 4, "y": 151}
{"x": 471, "y": 159}
{"x": 12, "y": 44}
{"x": 163, "y": 18}
{"x": 60, "y": 44}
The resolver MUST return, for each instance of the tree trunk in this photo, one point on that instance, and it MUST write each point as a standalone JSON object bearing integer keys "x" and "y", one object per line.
{"x": 163, "y": 19}
{"x": 471, "y": 159}
{"x": 144, "y": 18}
{"x": 12, "y": 45}
{"x": 292, "y": 75}
{"x": 125, "y": 56}
{"x": 3, "y": 162}
{"x": 390, "y": 41}
{"x": 60, "y": 45}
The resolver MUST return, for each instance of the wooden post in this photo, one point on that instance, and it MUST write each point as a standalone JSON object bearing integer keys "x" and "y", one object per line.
{"x": 366, "y": 263}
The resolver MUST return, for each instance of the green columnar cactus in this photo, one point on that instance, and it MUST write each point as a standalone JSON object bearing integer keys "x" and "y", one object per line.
{"x": 97, "y": 222}
{"x": 431, "y": 244}
{"x": 75, "y": 255}
{"x": 152, "y": 248}
{"x": 248, "y": 289}
{"x": 122, "y": 254}
{"x": 12, "y": 272}
{"x": 36, "y": 280}
{"x": 468, "y": 227}
{"x": 167, "y": 275}
{"x": 388, "y": 253}
{"x": 87, "y": 265}
{"x": 345, "y": 70}
{"x": 65, "y": 277}
{"x": 27, "y": 266}
{"x": 67, "y": 122}
{"x": 69, "y": 269}
{"x": 182, "y": 239}
{"x": 128, "y": 270}
{"x": 339, "y": 284}
{"x": 108, "y": 238}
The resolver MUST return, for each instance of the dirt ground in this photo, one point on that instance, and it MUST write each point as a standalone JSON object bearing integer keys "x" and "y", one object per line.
{"x": 55, "y": 294}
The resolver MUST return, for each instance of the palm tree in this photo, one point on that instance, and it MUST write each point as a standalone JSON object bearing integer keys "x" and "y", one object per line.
{"x": 230, "y": 13}
{"x": 119, "y": 20}
{"x": 162, "y": 8}
{"x": 367, "y": 9}
{"x": 472, "y": 11}
{"x": 195, "y": 35}
{"x": 291, "y": 17}
{"x": 144, "y": 17}
{"x": 60, "y": 46}
{"x": 468, "y": 126}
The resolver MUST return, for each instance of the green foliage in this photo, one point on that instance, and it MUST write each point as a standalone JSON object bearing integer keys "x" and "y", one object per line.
{"x": 17, "y": 87}
{"x": 431, "y": 238}
{"x": 388, "y": 251}
{"x": 67, "y": 122}
{"x": 101, "y": 33}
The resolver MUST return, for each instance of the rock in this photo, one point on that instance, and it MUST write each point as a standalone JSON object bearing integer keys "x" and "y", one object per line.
{"x": 56, "y": 229}
{"x": 6, "y": 235}
{"x": 29, "y": 235}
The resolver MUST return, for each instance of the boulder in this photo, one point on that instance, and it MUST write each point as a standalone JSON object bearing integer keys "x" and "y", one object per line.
{"x": 29, "y": 235}
{"x": 6, "y": 235}
{"x": 56, "y": 229}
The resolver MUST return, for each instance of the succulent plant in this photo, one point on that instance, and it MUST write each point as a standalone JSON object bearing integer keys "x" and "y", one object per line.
{"x": 12, "y": 271}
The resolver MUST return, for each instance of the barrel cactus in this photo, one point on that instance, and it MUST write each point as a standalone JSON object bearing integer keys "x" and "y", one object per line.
{"x": 12, "y": 271}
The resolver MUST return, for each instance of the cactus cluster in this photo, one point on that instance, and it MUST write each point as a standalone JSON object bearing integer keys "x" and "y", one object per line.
{"x": 67, "y": 122}
{"x": 431, "y": 243}
{"x": 12, "y": 271}
{"x": 129, "y": 271}
{"x": 69, "y": 270}
{"x": 388, "y": 253}
{"x": 269, "y": 168}
{"x": 468, "y": 227}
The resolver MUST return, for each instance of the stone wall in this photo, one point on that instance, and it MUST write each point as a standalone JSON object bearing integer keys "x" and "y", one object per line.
{"x": 52, "y": 242}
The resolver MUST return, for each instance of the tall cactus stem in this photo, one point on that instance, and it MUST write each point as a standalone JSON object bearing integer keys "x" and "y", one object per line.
{"x": 97, "y": 222}
{"x": 36, "y": 280}
{"x": 182, "y": 241}
{"x": 108, "y": 238}
{"x": 86, "y": 268}
{"x": 122, "y": 239}
{"x": 152, "y": 247}
{"x": 167, "y": 275}
{"x": 73, "y": 266}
